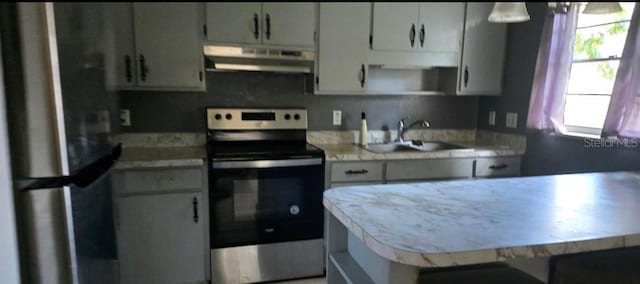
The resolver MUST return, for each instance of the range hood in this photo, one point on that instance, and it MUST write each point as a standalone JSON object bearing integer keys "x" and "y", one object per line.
{"x": 258, "y": 59}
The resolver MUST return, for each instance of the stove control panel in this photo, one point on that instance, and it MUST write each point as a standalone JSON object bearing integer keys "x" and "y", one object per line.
{"x": 256, "y": 119}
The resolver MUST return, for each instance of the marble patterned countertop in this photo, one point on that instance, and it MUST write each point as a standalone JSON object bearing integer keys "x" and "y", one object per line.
{"x": 451, "y": 223}
{"x": 352, "y": 152}
{"x": 142, "y": 150}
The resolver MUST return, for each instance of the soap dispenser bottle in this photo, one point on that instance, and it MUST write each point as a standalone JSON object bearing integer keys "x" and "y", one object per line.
{"x": 363, "y": 130}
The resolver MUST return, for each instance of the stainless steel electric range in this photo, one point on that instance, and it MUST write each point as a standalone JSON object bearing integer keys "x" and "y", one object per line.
{"x": 265, "y": 190}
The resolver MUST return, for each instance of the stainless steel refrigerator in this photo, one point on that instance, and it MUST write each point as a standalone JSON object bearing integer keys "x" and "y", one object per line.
{"x": 61, "y": 119}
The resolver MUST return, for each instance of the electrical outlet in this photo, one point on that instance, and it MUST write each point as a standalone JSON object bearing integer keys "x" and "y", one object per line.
{"x": 492, "y": 117}
{"x": 125, "y": 117}
{"x": 337, "y": 117}
{"x": 512, "y": 120}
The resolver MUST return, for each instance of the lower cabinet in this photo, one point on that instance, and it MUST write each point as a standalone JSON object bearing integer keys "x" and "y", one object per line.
{"x": 408, "y": 171}
{"x": 162, "y": 225}
{"x": 161, "y": 238}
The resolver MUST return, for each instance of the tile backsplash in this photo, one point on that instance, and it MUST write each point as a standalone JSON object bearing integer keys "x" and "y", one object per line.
{"x": 163, "y": 111}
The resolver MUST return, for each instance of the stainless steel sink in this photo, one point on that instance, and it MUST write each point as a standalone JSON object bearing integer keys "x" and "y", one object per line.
{"x": 412, "y": 147}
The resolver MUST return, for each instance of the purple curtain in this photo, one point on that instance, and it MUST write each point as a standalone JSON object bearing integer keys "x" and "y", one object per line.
{"x": 553, "y": 65}
{"x": 623, "y": 116}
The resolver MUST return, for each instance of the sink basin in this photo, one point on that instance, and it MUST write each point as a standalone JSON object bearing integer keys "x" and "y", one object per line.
{"x": 410, "y": 147}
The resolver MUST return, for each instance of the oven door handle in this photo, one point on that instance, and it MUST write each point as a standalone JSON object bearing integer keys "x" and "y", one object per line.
{"x": 261, "y": 164}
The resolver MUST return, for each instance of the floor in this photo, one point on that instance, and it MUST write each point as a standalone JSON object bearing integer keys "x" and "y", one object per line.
{"x": 319, "y": 280}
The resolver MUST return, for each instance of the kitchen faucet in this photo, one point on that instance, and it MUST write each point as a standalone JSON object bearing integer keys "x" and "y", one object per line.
{"x": 402, "y": 129}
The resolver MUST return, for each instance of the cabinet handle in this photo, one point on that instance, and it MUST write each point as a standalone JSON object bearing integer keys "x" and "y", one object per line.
{"x": 412, "y": 34}
{"x": 466, "y": 75}
{"x": 195, "y": 210}
{"x": 357, "y": 172}
{"x": 422, "y": 35}
{"x": 363, "y": 71}
{"x": 268, "y": 33}
{"x": 143, "y": 68}
{"x": 256, "y": 26}
{"x": 498, "y": 167}
{"x": 127, "y": 63}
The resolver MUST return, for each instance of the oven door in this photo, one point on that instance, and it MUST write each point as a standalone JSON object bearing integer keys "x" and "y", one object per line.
{"x": 265, "y": 201}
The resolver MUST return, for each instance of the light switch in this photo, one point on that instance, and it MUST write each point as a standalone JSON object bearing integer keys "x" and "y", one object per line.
{"x": 337, "y": 117}
{"x": 512, "y": 120}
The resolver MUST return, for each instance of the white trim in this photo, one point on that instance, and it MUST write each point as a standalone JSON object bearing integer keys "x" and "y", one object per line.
{"x": 9, "y": 261}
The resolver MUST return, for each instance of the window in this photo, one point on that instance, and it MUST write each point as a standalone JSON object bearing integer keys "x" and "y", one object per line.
{"x": 598, "y": 46}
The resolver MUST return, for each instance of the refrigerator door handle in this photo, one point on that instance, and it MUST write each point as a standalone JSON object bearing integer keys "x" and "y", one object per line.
{"x": 82, "y": 178}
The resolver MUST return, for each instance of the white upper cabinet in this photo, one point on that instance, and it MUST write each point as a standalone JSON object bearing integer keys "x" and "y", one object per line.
{"x": 483, "y": 51}
{"x": 424, "y": 27}
{"x": 154, "y": 46}
{"x": 441, "y": 27}
{"x": 234, "y": 22}
{"x": 269, "y": 23}
{"x": 168, "y": 45}
{"x": 343, "y": 47}
{"x": 121, "y": 59}
{"x": 288, "y": 24}
{"x": 395, "y": 26}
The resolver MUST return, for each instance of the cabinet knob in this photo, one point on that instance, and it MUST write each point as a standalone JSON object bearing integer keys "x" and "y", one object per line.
{"x": 466, "y": 75}
{"x": 422, "y": 35}
{"x": 363, "y": 72}
{"x": 412, "y": 34}
{"x": 143, "y": 68}
{"x": 268, "y": 32}
{"x": 195, "y": 210}
{"x": 127, "y": 64}
{"x": 256, "y": 26}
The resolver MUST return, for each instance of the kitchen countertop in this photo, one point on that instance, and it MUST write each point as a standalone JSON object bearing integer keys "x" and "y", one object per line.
{"x": 452, "y": 223}
{"x": 151, "y": 157}
{"x": 352, "y": 152}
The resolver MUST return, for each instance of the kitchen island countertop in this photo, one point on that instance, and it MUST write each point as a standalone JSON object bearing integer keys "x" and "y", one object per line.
{"x": 451, "y": 223}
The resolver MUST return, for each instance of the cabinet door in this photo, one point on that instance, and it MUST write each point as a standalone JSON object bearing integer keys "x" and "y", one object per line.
{"x": 483, "y": 48}
{"x": 169, "y": 45}
{"x": 234, "y": 23}
{"x": 441, "y": 27}
{"x": 394, "y": 25}
{"x": 120, "y": 53}
{"x": 288, "y": 24}
{"x": 343, "y": 46}
{"x": 159, "y": 240}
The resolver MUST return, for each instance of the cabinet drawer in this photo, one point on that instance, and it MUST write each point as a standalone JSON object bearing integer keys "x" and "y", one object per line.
{"x": 348, "y": 172}
{"x": 141, "y": 181}
{"x": 430, "y": 169}
{"x": 503, "y": 166}
{"x": 345, "y": 184}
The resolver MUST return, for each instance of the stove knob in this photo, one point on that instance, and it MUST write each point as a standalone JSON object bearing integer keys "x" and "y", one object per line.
{"x": 218, "y": 116}
{"x": 287, "y": 116}
{"x": 296, "y": 117}
{"x": 228, "y": 116}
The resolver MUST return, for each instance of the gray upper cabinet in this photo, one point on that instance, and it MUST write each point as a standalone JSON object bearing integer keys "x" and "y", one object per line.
{"x": 235, "y": 23}
{"x": 395, "y": 26}
{"x": 168, "y": 45}
{"x": 483, "y": 51}
{"x": 155, "y": 47}
{"x": 269, "y": 23}
{"x": 343, "y": 43}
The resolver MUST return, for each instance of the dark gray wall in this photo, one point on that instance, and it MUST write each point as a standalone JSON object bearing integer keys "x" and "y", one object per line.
{"x": 185, "y": 112}
{"x": 545, "y": 154}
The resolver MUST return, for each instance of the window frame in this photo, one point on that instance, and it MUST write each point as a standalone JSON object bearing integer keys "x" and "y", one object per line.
{"x": 583, "y": 131}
